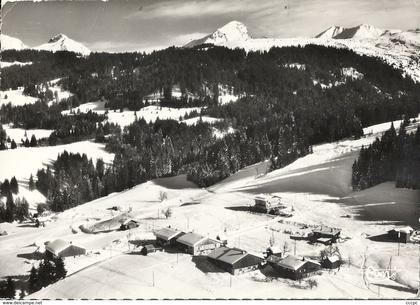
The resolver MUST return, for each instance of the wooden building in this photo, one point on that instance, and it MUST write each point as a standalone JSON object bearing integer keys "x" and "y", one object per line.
{"x": 326, "y": 236}
{"x": 197, "y": 244}
{"x": 233, "y": 260}
{"x": 61, "y": 248}
{"x": 331, "y": 262}
{"x": 166, "y": 237}
{"x": 129, "y": 224}
{"x": 265, "y": 203}
{"x": 147, "y": 249}
{"x": 401, "y": 234}
{"x": 293, "y": 267}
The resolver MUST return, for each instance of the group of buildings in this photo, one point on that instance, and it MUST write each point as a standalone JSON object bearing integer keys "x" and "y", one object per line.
{"x": 234, "y": 260}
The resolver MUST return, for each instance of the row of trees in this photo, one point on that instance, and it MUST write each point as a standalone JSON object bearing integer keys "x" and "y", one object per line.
{"x": 14, "y": 209}
{"x": 393, "y": 157}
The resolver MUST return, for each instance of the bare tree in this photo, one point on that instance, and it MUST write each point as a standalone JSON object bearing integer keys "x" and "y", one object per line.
{"x": 163, "y": 195}
{"x": 167, "y": 213}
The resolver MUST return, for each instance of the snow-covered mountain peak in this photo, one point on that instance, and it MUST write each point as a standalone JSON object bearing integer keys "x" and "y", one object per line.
{"x": 9, "y": 42}
{"x": 57, "y": 38}
{"x": 362, "y": 31}
{"x": 61, "y": 42}
{"x": 233, "y": 31}
{"x": 330, "y": 32}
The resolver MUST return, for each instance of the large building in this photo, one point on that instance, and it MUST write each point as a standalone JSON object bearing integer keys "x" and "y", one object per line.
{"x": 61, "y": 248}
{"x": 265, "y": 203}
{"x": 401, "y": 234}
{"x": 167, "y": 236}
{"x": 234, "y": 261}
{"x": 197, "y": 244}
{"x": 293, "y": 267}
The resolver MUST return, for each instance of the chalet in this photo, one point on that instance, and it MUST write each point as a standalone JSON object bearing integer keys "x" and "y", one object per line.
{"x": 325, "y": 235}
{"x": 331, "y": 262}
{"x": 265, "y": 203}
{"x": 167, "y": 236}
{"x": 61, "y": 248}
{"x": 273, "y": 251}
{"x": 196, "y": 244}
{"x": 147, "y": 249}
{"x": 234, "y": 261}
{"x": 401, "y": 234}
{"x": 293, "y": 267}
{"x": 129, "y": 224}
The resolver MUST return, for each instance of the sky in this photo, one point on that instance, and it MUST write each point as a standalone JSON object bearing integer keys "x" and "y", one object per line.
{"x": 144, "y": 25}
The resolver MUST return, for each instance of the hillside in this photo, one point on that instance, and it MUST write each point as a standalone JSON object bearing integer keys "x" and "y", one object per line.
{"x": 11, "y": 43}
{"x": 218, "y": 211}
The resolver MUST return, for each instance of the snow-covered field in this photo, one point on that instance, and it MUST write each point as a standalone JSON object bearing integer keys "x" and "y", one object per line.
{"x": 5, "y": 64}
{"x": 318, "y": 188}
{"x": 204, "y": 119}
{"x": 16, "y": 97}
{"x": 23, "y": 161}
{"x": 127, "y": 117}
{"x": 18, "y": 134}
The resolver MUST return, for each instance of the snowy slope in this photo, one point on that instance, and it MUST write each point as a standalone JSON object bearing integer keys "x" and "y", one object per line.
{"x": 220, "y": 211}
{"x": 398, "y": 48}
{"x": 9, "y": 42}
{"x": 18, "y": 134}
{"x": 22, "y": 162}
{"x": 16, "y": 97}
{"x": 61, "y": 42}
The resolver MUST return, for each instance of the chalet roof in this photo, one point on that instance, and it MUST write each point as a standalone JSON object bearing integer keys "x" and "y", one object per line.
{"x": 190, "y": 239}
{"x": 333, "y": 258}
{"x": 166, "y": 233}
{"x": 149, "y": 247}
{"x": 57, "y": 246}
{"x": 292, "y": 262}
{"x": 327, "y": 231}
{"x": 228, "y": 255}
{"x": 406, "y": 229}
{"x": 275, "y": 249}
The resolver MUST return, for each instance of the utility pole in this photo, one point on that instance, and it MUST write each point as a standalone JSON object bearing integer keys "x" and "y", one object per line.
{"x": 153, "y": 275}
{"x": 230, "y": 281}
{"x": 295, "y": 248}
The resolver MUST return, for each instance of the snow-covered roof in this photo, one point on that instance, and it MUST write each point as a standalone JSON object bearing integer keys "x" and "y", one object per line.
{"x": 333, "y": 258}
{"x": 406, "y": 229}
{"x": 292, "y": 262}
{"x": 227, "y": 255}
{"x": 327, "y": 231}
{"x": 166, "y": 233}
{"x": 190, "y": 239}
{"x": 57, "y": 246}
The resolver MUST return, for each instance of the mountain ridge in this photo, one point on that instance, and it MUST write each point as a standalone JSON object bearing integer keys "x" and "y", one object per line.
{"x": 400, "y": 49}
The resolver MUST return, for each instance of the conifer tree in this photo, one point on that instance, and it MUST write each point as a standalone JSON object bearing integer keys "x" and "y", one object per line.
{"x": 14, "y": 186}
